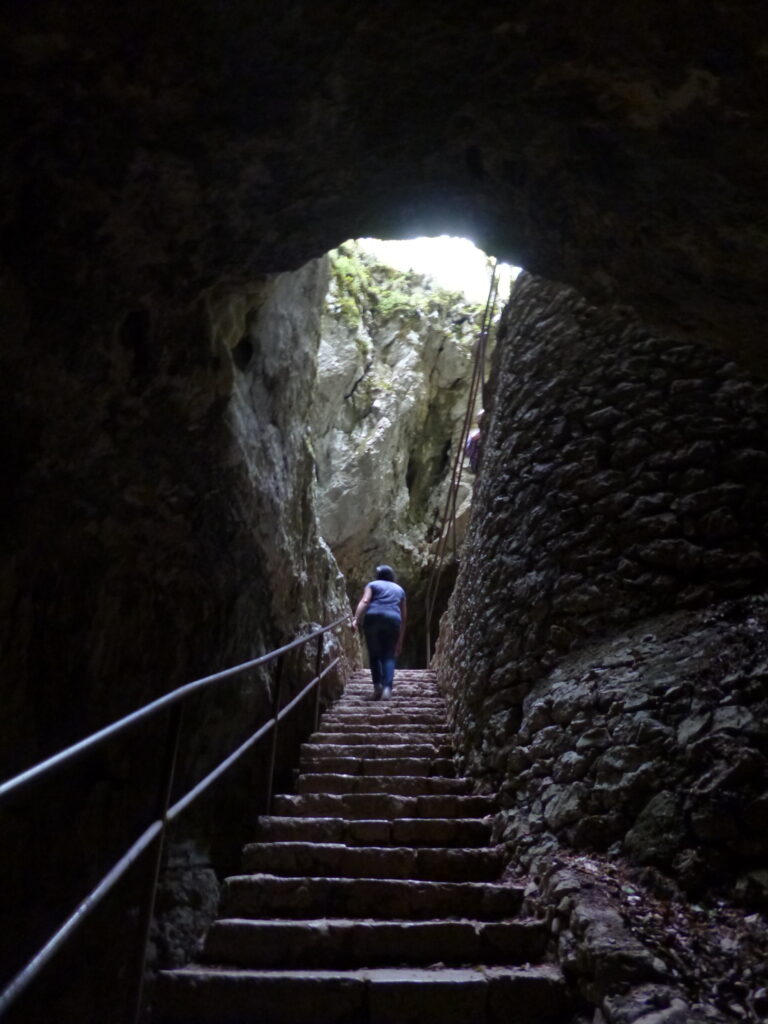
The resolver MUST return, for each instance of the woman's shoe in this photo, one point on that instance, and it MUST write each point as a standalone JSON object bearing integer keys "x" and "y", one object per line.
{"x": 386, "y": 693}
{"x": 378, "y": 691}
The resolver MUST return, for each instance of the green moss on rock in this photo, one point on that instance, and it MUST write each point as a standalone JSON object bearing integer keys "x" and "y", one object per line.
{"x": 365, "y": 289}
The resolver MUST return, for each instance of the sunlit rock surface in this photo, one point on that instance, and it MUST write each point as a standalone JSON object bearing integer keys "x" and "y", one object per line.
{"x": 394, "y": 371}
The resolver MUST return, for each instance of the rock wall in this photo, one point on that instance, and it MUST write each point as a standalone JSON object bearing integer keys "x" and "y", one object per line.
{"x": 394, "y": 370}
{"x": 166, "y": 530}
{"x": 621, "y": 151}
{"x": 602, "y": 668}
{"x": 172, "y": 503}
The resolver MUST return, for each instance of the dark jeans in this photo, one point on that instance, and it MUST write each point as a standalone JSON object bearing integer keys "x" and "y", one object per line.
{"x": 381, "y": 633}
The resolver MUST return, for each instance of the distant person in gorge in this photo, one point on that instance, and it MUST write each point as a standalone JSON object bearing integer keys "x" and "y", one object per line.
{"x": 382, "y": 611}
{"x": 474, "y": 445}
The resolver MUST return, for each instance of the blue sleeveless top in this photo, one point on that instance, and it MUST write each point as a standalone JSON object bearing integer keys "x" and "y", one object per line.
{"x": 386, "y": 598}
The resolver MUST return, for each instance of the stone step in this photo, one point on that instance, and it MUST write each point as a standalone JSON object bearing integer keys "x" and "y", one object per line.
{"x": 379, "y": 738}
{"x": 397, "y": 702}
{"x": 369, "y": 706}
{"x": 381, "y": 716}
{"x": 379, "y": 765}
{"x": 350, "y": 943}
{"x": 422, "y": 702}
{"x": 416, "y": 698}
{"x": 401, "y": 675}
{"x": 437, "y": 864}
{"x": 383, "y": 805}
{"x": 418, "y": 695}
{"x": 372, "y": 723}
{"x": 376, "y": 832}
{"x": 480, "y": 995}
{"x": 412, "y": 686}
{"x": 394, "y": 785}
{"x": 425, "y": 671}
{"x": 402, "y": 678}
{"x": 424, "y": 677}
{"x": 258, "y": 895}
{"x": 376, "y": 750}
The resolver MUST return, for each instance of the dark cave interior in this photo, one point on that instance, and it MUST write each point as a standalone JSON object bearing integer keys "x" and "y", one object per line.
{"x": 160, "y": 166}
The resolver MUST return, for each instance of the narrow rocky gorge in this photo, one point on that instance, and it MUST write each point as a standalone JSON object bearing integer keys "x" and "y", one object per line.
{"x": 393, "y": 372}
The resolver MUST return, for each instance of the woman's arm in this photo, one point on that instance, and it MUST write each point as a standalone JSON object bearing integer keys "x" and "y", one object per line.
{"x": 401, "y": 637}
{"x": 362, "y": 607}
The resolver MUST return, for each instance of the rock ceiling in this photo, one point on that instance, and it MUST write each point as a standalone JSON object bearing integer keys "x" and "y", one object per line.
{"x": 156, "y": 151}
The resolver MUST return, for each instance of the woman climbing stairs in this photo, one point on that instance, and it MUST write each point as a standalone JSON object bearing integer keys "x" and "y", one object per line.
{"x": 372, "y": 895}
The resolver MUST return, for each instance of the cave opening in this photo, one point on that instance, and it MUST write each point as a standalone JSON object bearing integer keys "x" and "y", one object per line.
{"x": 399, "y": 336}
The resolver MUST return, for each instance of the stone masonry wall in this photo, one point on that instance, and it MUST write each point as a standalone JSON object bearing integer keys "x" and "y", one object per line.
{"x": 603, "y": 667}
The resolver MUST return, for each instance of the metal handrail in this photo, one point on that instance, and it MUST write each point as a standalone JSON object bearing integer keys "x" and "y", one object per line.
{"x": 448, "y": 518}
{"x": 155, "y": 832}
{"x": 147, "y": 710}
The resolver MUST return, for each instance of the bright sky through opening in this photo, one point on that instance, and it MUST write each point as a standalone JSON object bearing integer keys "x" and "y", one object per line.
{"x": 454, "y": 263}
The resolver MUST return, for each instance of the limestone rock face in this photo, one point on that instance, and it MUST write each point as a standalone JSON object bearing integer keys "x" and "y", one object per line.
{"x": 177, "y": 537}
{"x": 619, "y": 484}
{"x": 394, "y": 369}
{"x": 186, "y": 486}
{"x": 273, "y": 335}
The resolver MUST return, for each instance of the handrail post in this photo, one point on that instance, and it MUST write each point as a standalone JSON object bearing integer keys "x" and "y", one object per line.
{"x": 275, "y": 727}
{"x": 173, "y": 736}
{"x": 318, "y": 668}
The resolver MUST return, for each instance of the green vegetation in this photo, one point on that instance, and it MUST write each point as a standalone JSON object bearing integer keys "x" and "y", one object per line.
{"x": 367, "y": 288}
{"x": 350, "y": 277}
{"x": 375, "y": 301}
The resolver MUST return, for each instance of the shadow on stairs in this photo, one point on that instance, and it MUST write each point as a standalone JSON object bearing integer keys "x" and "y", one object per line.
{"x": 372, "y": 895}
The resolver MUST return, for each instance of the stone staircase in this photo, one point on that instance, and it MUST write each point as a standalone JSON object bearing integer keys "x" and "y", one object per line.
{"x": 372, "y": 894}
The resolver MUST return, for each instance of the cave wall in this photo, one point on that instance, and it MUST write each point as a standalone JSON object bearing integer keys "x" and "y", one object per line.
{"x": 167, "y": 530}
{"x": 171, "y": 493}
{"x": 156, "y": 157}
{"x": 604, "y": 665}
